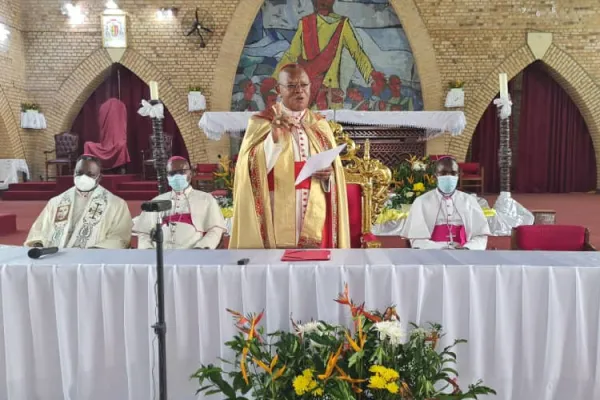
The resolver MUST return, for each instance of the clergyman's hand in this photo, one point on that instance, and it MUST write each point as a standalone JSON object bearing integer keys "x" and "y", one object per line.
{"x": 278, "y": 126}
{"x": 323, "y": 174}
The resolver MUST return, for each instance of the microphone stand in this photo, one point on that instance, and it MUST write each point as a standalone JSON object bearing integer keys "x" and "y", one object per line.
{"x": 160, "y": 327}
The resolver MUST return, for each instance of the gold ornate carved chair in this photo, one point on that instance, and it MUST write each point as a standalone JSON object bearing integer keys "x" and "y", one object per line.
{"x": 367, "y": 184}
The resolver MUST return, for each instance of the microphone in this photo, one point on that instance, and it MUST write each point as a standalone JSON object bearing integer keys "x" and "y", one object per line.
{"x": 37, "y": 252}
{"x": 157, "y": 205}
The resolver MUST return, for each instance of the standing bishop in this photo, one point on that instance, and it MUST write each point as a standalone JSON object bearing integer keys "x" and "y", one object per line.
{"x": 194, "y": 222}
{"x": 270, "y": 210}
{"x": 85, "y": 216}
{"x": 446, "y": 218}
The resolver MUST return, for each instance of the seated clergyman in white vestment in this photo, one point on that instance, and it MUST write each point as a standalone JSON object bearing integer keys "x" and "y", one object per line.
{"x": 85, "y": 216}
{"x": 446, "y": 218}
{"x": 194, "y": 222}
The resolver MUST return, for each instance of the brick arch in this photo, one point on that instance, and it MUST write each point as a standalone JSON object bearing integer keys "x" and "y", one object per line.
{"x": 86, "y": 78}
{"x": 245, "y": 13}
{"x": 13, "y": 132}
{"x": 580, "y": 86}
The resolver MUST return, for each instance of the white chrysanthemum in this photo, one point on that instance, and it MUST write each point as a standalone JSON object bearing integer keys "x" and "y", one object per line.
{"x": 391, "y": 331}
{"x": 418, "y": 332}
{"x": 418, "y": 166}
{"x": 310, "y": 327}
{"x": 409, "y": 195}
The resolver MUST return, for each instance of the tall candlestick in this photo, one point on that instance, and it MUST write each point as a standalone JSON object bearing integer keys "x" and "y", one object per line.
{"x": 502, "y": 78}
{"x": 153, "y": 90}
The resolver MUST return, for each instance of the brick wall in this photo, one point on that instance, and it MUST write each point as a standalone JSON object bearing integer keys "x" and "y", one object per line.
{"x": 472, "y": 40}
{"x": 12, "y": 78}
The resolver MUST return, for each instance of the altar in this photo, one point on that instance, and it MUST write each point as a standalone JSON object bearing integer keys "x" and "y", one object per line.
{"x": 77, "y": 325}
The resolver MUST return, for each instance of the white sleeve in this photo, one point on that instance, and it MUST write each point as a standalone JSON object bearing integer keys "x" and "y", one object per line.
{"x": 427, "y": 244}
{"x": 272, "y": 151}
{"x": 477, "y": 243}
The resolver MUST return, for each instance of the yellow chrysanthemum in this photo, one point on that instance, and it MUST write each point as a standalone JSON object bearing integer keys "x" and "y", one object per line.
{"x": 389, "y": 375}
{"x": 377, "y": 382}
{"x": 301, "y": 384}
{"x": 306, "y": 383}
{"x": 419, "y": 187}
{"x": 227, "y": 212}
{"x": 392, "y": 387}
{"x": 377, "y": 369}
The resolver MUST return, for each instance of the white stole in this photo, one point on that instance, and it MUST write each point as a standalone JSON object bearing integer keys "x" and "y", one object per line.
{"x": 86, "y": 230}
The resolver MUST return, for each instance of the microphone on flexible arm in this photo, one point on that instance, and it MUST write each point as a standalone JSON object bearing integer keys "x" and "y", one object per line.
{"x": 38, "y": 252}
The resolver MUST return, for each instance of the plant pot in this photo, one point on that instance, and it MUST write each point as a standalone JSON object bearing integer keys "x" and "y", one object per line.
{"x": 455, "y": 98}
{"x": 196, "y": 101}
{"x": 405, "y": 207}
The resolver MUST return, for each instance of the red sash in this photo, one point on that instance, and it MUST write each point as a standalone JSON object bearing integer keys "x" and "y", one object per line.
{"x": 318, "y": 62}
{"x": 182, "y": 218}
{"x": 305, "y": 184}
{"x": 442, "y": 233}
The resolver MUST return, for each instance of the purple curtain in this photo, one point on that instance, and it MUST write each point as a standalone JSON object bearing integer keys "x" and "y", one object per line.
{"x": 556, "y": 154}
{"x": 139, "y": 129}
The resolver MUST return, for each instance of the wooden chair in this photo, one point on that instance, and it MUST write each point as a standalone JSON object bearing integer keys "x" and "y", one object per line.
{"x": 368, "y": 182}
{"x": 66, "y": 146}
{"x": 471, "y": 176}
{"x": 147, "y": 157}
{"x": 551, "y": 238}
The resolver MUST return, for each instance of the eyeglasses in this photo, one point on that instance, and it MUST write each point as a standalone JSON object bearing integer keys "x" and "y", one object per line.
{"x": 291, "y": 87}
{"x": 178, "y": 172}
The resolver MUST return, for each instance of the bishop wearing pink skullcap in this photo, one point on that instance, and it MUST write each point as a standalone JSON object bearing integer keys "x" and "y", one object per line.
{"x": 194, "y": 222}
{"x": 446, "y": 218}
{"x": 85, "y": 216}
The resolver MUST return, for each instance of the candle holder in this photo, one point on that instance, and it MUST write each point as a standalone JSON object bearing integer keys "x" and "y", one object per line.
{"x": 159, "y": 152}
{"x": 504, "y": 153}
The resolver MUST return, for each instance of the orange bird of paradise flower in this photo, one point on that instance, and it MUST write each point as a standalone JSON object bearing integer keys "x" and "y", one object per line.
{"x": 242, "y": 323}
{"x": 344, "y": 299}
{"x": 331, "y": 364}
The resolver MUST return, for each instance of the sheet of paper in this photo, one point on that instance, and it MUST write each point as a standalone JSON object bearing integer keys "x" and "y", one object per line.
{"x": 318, "y": 162}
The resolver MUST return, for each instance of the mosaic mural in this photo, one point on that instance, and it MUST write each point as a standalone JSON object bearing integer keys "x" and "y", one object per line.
{"x": 355, "y": 51}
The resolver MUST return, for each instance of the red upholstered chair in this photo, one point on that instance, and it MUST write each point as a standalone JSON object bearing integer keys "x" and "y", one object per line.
{"x": 471, "y": 176}
{"x": 65, "y": 150}
{"x": 551, "y": 238}
{"x": 204, "y": 176}
{"x": 367, "y": 186}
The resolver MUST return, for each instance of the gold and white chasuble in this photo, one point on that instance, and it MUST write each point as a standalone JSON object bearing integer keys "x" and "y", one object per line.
{"x": 270, "y": 210}
{"x": 83, "y": 220}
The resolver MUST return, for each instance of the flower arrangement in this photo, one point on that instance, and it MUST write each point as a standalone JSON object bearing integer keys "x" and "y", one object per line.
{"x": 30, "y": 106}
{"x": 225, "y": 174}
{"x": 413, "y": 177}
{"x": 378, "y": 359}
{"x": 456, "y": 84}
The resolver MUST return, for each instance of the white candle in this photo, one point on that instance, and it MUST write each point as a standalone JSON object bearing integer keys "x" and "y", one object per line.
{"x": 153, "y": 90}
{"x": 503, "y": 79}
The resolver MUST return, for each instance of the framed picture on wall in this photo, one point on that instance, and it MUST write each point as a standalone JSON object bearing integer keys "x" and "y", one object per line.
{"x": 114, "y": 31}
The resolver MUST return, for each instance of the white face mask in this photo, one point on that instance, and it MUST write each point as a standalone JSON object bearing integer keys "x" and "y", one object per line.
{"x": 84, "y": 183}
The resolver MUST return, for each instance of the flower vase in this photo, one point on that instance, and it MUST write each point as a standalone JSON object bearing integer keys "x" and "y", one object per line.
{"x": 455, "y": 98}
{"x": 405, "y": 208}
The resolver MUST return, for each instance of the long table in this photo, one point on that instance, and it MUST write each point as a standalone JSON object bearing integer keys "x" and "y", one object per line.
{"x": 76, "y": 325}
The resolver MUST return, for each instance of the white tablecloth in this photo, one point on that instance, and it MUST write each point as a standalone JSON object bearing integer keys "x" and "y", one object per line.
{"x": 79, "y": 330}
{"x": 9, "y": 169}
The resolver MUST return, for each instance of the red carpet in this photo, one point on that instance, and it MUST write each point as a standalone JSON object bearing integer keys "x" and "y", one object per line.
{"x": 8, "y": 224}
{"x": 573, "y": 209}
